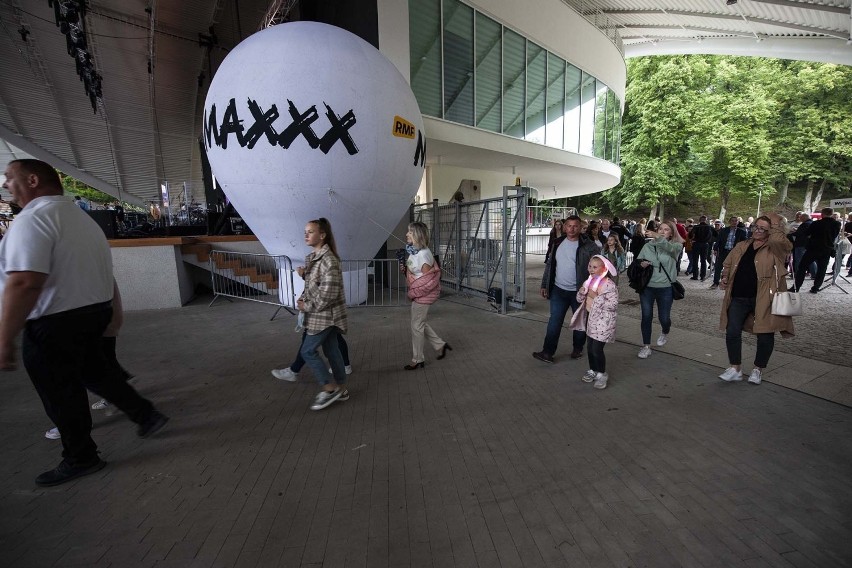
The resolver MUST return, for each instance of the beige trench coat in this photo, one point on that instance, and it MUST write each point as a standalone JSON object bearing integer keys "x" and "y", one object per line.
{"x": 770, "y": 264}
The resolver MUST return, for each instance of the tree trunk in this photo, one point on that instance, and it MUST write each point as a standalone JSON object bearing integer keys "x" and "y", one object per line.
{"x": 818, "y": 196}
{"x": 725, "y": 195}
{"x": 806, "y": 204}
{"x": 661, "y": 209}
{"x": 782, "y": 191}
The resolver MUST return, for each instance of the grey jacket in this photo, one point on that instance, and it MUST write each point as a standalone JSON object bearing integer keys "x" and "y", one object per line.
{"x": 585, "y": 251}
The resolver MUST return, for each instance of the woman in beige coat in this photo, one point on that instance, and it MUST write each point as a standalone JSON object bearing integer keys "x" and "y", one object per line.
{"x": 753, "y": 271}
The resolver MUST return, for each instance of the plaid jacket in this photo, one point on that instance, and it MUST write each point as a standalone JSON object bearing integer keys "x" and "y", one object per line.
{"x": 324, "y": 299}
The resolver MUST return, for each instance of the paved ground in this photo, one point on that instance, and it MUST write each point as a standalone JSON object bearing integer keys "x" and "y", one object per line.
{"x": 488, "y": 458}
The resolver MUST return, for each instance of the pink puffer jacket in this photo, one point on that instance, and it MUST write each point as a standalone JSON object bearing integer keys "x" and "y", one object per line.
{"x": 427, "y": 288}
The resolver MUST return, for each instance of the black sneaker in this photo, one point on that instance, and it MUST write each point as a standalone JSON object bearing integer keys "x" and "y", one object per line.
{"x": 542, "y": 356}
{"x": 152, "y": 424}
{"x": 64, "y": 472}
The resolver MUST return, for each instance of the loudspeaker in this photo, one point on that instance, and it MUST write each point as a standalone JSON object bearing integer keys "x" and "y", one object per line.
{"x": 106, "y": 220}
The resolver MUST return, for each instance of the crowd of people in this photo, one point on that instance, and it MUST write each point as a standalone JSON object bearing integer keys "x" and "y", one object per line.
{"x": 749, "y": 260}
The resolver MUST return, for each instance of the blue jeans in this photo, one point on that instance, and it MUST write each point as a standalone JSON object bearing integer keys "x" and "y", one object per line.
{"x": 798, "y": 253}
{"x": 738, "y": 311}
{"x": 560, "y": 302}
{"x": 297, "y": 365}
{"x": 327, "y": 338}
{"x": 663, "y": 297}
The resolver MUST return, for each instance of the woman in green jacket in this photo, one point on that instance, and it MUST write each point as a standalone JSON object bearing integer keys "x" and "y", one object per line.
{"x": 662, "y": 253}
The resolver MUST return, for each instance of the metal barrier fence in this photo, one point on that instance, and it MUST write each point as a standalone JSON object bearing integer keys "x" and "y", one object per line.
{"x": 481, "y": 245}
{"x": 269, "y": 279}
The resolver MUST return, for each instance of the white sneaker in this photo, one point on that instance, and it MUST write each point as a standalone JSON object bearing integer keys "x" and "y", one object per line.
{"x": 731, "y": 375}
{"x": 589, "y": 376}
{"x": 348, "y": 369}
{"x": 645, "y": 352}
{"x": 324, "y": 398}
{"x": 100, "y": 405}
{"x": 663, "y": 339}
{"x": 754, "y": 378}
{"x": 600, "y": 381}
{"x": 284, "y": 374}
{"x": 53, "y": 434}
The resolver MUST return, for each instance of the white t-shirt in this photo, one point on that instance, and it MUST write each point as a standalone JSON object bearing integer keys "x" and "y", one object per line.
{"x": 566, "y": 265}
{"x": 415, "y": 262}
{"x": 53, "y": 236}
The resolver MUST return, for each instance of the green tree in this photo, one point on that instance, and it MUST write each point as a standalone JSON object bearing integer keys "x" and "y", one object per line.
{"x": 76, "y": 187}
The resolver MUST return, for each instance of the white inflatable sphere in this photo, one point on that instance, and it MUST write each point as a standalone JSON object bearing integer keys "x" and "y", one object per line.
{"x": 306, "y": 120}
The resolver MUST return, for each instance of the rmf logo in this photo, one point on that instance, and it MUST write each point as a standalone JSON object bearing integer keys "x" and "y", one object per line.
{"x": 403, "y": 128}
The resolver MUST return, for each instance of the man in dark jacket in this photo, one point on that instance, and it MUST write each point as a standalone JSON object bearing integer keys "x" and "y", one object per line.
{"x": 727, "y": 240}
{"x": 821, "y": 234}
{"x": 564, "y": 273}
{"x": 702, "y": 237}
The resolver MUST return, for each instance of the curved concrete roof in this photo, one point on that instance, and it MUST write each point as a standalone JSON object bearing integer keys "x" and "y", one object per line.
{"x": 156, "y": 65}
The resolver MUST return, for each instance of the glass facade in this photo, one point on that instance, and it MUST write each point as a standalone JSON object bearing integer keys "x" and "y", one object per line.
{"x": 469, "y": 69}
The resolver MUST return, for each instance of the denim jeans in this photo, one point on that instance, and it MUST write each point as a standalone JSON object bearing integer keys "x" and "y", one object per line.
{"x": 798, "y": 253}
{"x": 327, "y": 338}
{"x": 738, "y": 312}
{"x": 560, "y": 302}
{"x": 663, "y": 297}
{"x": 821, "y": 262}
{"x": 597, "y": 359}
{"x": 297, "y": 365}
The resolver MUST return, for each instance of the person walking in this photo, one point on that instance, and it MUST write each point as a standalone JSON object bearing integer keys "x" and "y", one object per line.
{"x": 821, "y": 236}
{"x": 566, "y": 269}
{"x": 701, "y": 235}
{"x": 596, "y": 316}
{"x": 729, "y": 237}
{"x": 57, "y": 287}
{"x": 754, "y": 271}
{"x": 661, "y": 253}
{"x": 322, "y": 308}
{"x": 614, "y": 253}
{"x": 555, "y": 233}
{"x": 424, "y": 288}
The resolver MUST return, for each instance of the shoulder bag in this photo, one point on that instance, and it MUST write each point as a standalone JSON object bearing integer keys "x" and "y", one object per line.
{"x": 785, "y": 303}
{"x": 678, "y": 291}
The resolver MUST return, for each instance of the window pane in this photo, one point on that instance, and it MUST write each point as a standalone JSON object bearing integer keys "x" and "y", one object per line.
{"x": 489, "y": 45}
{"x": 458, "y": 62}
{"x": 424, "y": 18}
{"x": 587, "y": 114}
{"x": 572, "y": 109}
{"x": 555, "y": 101}
{"x": 514, "y": 83}
{"x": 611, "y": 125}
{"x": 536, "y": 88}
{"x": 600, "y": 119}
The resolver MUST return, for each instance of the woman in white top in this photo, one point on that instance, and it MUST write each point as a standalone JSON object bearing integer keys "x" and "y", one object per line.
{"x": 419, "y": 265}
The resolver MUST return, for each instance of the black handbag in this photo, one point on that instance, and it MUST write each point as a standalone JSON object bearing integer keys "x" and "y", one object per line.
{"x": 678, "y": 291}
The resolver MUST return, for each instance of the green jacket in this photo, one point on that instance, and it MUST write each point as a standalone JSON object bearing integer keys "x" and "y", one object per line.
{"x": 661, "y": 252}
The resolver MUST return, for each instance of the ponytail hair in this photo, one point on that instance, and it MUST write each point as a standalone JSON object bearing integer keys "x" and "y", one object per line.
{"x": 324, "y": 227}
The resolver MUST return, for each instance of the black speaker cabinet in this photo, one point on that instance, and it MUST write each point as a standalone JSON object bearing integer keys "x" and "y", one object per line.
{"x": 106, "y": 220}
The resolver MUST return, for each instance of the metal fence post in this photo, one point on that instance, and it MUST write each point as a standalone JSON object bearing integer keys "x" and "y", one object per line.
{"x": 504, "y": 257}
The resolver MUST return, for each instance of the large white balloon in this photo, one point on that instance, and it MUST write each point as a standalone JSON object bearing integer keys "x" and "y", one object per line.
{"x": 306, "y": 120}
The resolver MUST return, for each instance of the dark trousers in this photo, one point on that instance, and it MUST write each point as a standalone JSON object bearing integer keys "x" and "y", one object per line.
{"x": 560, "y": 302}
{"x": 63, "y": 355}
{"x": 597, "y": 359}
{"x": 699, "y": 258}
{"x": 717, "y": 269}
{"x": 299, "y": 362}
{"x": 822, "y": 265}
{"x": 738, "y": 311}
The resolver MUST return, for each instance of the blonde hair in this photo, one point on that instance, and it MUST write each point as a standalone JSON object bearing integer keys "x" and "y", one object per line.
{"x": 676, "y": 238}
{"x": 419, "y": 233}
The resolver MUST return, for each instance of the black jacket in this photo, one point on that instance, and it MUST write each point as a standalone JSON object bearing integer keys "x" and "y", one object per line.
{"x": 821, "y": 235}
{"x": 721, "y": 241}
{"x": 702, "y": 233}
{"x": 585, "y": 251}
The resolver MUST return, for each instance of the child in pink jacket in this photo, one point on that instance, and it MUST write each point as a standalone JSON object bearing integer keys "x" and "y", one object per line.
{"x": 598, "y": 299}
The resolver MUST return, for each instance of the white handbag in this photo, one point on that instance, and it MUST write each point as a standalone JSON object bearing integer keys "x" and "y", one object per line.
{"x": 785, "y": 303}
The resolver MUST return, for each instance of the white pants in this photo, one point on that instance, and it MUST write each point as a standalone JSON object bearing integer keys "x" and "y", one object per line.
{"x": 419, "y": 329}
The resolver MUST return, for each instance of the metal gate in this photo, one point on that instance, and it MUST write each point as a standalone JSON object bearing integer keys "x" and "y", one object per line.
{"x": 481, "y": 245}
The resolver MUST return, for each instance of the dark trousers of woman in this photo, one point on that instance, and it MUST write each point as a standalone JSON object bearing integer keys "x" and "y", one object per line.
{"x": 738, "y": 311}
{"x": 297, "y": 365}
{"x": 597, "y": 359}
{"x": 64, "y": 356}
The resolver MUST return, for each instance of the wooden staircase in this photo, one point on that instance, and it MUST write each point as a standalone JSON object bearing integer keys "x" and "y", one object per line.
{"x": 268, "y": 279}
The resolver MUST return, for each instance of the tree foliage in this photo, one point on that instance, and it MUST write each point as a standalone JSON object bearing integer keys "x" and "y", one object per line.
{"x": 722, "y": 126}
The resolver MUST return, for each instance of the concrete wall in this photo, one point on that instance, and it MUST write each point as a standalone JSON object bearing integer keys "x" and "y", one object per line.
{"x": 151, "y": 277}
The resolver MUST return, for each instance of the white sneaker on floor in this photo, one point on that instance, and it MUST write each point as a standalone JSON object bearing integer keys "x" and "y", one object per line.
{"x": 53, "y": 434}
{"x": 645, "y": 352}
{"x": 755, "y": 376}
{"x": 284, "y": 374}
{"x": 348, "y": 369}
{"x": 324, "y": 398}
{"x": 663, "y": 339}
{"x": 600, "y": 380}
{"x": 100, "y": 405}
{"x": 589, "y": 376}
{"x": 731, "y": 375}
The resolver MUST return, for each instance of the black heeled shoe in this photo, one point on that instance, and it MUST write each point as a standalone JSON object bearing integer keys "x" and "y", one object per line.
{"x": 444, "y": 351}
{"x": 419, "y": 365}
